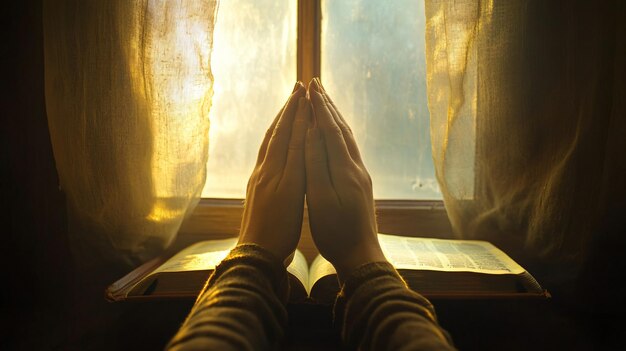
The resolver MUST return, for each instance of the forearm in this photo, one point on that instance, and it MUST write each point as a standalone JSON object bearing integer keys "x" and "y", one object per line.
{"x": 241, "y": 306}
{"x": 376, "y": 311}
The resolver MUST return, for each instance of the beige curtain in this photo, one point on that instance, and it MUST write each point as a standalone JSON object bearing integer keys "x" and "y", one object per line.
{"x": 527, "y": 119}
{"x": 128, "y": 92}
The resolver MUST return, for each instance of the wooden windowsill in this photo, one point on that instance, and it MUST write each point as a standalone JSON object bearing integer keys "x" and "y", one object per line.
{"x": 221, "y": 218}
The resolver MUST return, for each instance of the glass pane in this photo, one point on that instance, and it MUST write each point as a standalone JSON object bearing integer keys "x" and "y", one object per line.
{"x": 373, "y": 65}
{"x": 254, "y": 65}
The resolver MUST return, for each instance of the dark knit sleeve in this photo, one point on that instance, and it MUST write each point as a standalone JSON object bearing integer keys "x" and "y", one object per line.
{"x": 375, "y": 310}
{"x": 242, "y": 306}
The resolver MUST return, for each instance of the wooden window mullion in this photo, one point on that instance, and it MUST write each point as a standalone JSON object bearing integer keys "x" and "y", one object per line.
{"x": 309, "y": 36}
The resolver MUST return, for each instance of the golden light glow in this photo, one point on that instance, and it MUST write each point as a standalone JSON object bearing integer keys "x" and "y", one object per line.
{"x": 254, "y": 64}
{"x": 176, "y": 69}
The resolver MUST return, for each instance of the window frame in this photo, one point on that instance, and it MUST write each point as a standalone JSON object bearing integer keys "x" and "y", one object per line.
{"x": 309, "y": 39}
{"x": 217, "y": 218}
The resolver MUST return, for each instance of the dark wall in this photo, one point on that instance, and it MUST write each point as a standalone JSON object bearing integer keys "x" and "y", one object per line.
{"x": 45, "y": 303}
{"x": 36, "y": 256}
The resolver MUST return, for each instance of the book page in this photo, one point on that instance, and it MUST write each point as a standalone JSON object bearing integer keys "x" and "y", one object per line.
{"x": 320, "y": 267}
{"x": 203, "y": 255}
{"x": 300, "y": 269}
{"x": 206, "y": 255}
{"x": 446, "y": 255}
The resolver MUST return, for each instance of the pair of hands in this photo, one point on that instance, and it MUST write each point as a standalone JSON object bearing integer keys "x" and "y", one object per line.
{"x": 309, "y": 149}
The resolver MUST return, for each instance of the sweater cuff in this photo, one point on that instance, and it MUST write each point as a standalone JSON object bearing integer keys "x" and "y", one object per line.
{"x": 266, "y": 262}
{"x": 367, "y": 272}
{"x": 361, "y": 275}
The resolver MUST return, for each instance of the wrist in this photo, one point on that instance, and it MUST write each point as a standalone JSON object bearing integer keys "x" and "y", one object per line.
{"x": 257, "y": 240}
{"x": 356, "y": 258}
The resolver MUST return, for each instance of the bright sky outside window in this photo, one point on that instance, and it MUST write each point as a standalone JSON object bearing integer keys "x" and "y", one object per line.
{"x": 254, "y": 66}
{"x": 373, "y": 65}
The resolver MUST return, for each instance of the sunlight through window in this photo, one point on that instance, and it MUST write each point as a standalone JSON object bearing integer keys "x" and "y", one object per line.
{"x": 372, "y": 64}
{"x": 254, "y": 65}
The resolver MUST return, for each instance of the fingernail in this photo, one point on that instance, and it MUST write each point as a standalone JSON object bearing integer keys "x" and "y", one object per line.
{"x": 314, "y": 85}
{"x": 297, "y": 86}
{"x": 319, "y": 84}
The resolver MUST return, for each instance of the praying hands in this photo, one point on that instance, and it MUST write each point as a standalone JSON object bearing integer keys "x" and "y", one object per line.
{"x": 309, "y": 149}
{"x": 309, "y": 152}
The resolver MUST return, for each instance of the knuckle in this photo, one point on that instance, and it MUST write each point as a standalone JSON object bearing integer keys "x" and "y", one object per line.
{"x": 366, "y": 177}
{"x": 347, "y": 128}
{"x": 277, "y": 131}
{"x": 262, "y": 181}
{"x": 261, "y": 178}
{"x": 274, "y": 141}
{"x": 274, "y": 133}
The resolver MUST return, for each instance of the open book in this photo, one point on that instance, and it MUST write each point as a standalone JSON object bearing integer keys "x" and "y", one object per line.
{"x": 436, "y": 268}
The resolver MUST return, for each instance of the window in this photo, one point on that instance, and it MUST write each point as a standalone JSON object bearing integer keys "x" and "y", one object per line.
{"x": 372, "y": 62}
{"x": 370, "y": 56}
{"x": 254, "y": 67}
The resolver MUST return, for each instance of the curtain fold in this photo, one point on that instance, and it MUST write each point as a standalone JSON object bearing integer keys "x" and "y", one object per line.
{"x": 128, "y": 92}
{"x": 527, "y": 119}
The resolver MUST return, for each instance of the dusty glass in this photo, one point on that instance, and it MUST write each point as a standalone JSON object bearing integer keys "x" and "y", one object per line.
{"x": 373, "y": 65}
{"x": 254, "y": 65}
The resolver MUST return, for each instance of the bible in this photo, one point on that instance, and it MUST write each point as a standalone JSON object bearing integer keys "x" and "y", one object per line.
{"x": 435, "y": 268}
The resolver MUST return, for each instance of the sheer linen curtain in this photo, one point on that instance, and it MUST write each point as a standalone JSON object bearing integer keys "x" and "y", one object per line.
{"x": 527, "y": 121}
{"x": 128, "y": 92}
